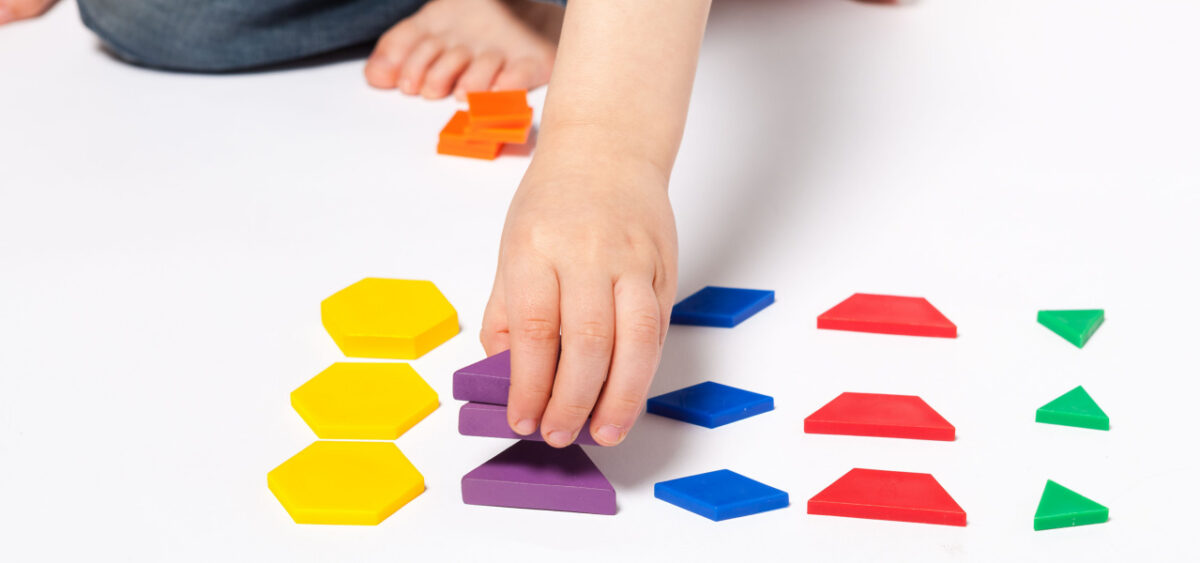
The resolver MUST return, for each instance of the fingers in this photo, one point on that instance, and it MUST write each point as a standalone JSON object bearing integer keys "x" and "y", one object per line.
{"x": 532, "y": 298}
{"x": 480, "y": 75}
{"x": 587, "y": 346}
{"x": 494, "y": 334}
{"x": 638, "y": 348}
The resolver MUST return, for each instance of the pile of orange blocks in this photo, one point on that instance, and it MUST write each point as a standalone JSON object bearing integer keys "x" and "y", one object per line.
{"x": 491, "y": 119}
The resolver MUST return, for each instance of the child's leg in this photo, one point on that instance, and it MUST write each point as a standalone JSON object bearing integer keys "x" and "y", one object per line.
{"x": 227, "y": 35}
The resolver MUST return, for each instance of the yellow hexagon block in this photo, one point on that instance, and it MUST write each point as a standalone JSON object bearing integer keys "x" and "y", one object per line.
{"x": 364, "y": 401}
{"x": 345, "y": 483}
{"x": 385, "y": 318}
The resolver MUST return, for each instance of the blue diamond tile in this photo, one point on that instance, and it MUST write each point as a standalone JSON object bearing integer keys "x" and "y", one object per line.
{"x": 720, "y": 306}
{"x": 721, "y": 495}
{"x": 710, "y": 404}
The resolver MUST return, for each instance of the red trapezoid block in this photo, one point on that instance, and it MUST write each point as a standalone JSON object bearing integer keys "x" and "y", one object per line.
{"x": 874, "y": 414}
{"x": 888, "y": 314}
{"x": 888, "y": 495}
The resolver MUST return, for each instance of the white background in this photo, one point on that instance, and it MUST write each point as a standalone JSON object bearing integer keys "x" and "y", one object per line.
{"x": 165, "y": 240}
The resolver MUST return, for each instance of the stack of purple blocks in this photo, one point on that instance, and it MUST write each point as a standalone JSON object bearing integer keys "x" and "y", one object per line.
{"x": 529, "y": 474}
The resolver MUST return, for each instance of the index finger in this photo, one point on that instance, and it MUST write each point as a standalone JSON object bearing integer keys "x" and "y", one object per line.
{"x": 533, "y": 325}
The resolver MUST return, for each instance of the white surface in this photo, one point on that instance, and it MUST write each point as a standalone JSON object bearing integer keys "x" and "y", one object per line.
{"x": 165, "y": 241}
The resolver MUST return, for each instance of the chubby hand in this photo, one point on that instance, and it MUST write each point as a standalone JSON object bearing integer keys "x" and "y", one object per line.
{"x": 587, "y": 261}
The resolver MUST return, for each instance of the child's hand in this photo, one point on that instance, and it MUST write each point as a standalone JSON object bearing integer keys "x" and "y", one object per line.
{"x": 588, "y": 249}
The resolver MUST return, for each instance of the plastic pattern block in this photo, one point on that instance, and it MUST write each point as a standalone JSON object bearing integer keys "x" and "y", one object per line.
{"x": 500, "y": 109}
{"x": 485, "y": 381}
{"x": 536, "y": 475}
{"x": 455, "y": 141}
{"x": 888, "y": 495}
{"x": 886, "y": 416}
{"x": 710, "y": 404}
{"x": 491, "y": 421}
{"x": 1061, "y": 507}
{"x": 386, "y": 318}
{"x": 721, "y": 495}
{"x": 723, "y": 307}
{"x": 888, "y": 314}
{"x": 517, "y": 135}
{"x": 1074, "y": 408}
{"x": 1075, "y": 326}
{"x": 345, "y": 483}
{"x": 364, "y": 401}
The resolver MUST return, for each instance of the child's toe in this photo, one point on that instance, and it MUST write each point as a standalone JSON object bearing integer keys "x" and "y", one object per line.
{"x": 383, "y": 67}
{"x": 445, "y": 72}
{"x": 521, "y": 74}
{"x": 479, "y": 74}
{"x": 412, "y": 73}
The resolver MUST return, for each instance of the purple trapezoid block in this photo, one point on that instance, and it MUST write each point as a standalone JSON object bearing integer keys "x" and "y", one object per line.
{"x": 490, "y": 421}
{"x": 485, "y": 381}
{"x": 535, "y": 475}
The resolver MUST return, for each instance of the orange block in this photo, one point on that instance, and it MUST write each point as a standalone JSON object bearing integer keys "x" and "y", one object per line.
{"x": 516, "y": 135}
{"x": 454, "y": 140}
{"x": 504, "y": 110}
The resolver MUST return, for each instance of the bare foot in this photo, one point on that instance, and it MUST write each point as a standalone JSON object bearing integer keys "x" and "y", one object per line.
{"x": 13, "y": 10}
{"x": 465, "y": 46}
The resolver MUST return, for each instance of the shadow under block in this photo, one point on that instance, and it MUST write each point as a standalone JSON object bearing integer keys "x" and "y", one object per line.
{"x": 535, "y": 475}
{"x": 710, "y": 404}
{"x": 1061, "y": 507}
{"x": 364, "y": 401}
{"x": 721, "y": 495}
{"x": 1074, "y": 408}
{"x": 491, "y": 421}
{"x": 387, "y": 318}
{"x": 888, "y": 495}
{"x": 1075, "y": 326}
{"x": 724, "y": 307}
{"x": 454, "y": 140}
{"x": 345, "y": 483}
{"x": 886, "y": 416}
{"x": 888, "y": 314}
{"x": 499, "y": 109}
{"x": 485, "y": 381}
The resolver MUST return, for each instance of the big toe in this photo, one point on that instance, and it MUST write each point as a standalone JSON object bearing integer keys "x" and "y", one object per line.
{"x": 523, "y": 74}
{"x": 384, "y": 65}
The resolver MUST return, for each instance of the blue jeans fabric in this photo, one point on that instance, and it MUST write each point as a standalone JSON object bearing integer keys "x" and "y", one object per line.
{"x": 230, "y": 35}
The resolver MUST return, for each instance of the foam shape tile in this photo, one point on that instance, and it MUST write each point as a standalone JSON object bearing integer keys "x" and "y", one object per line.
{"x": 874, "y": 414}
{"x": 454, "y": 140}
{"x": 724, "y": 307}
{"x": 1075, "y": 326}
{"x": 535, "y": 475}
{"x": 1074, "y": 408}
{"x": 888, "y": 314}
{"x": 721, "y": 495}
{"x": 517, "y": 134}
{"x": 345, "y": 483}
{"x": 710, "y": 404}
{"x": 498, "y": 109}
{"x": 389, "y": 318}
{"x": 888, "y": 495}
{"x": 491, "y": 421}
{"x": 364, "y": 401}
{"x": 485, "y": 381}
{"x": 1061, "y": 507}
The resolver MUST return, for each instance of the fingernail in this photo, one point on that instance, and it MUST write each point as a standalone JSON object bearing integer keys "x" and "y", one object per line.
{"x": 526, "y": 426}
{"x": 609, "y": 435}
{"x": 6, "y": 15}
{"x": 560, "y": 438}
{"x": 407, "y": 86}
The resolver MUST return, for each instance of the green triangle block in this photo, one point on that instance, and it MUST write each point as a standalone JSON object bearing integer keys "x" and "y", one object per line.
{"x": 1075, "y": 326}
{"x": 1074, "y": 408}
{"x": 1061, "y": 507}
